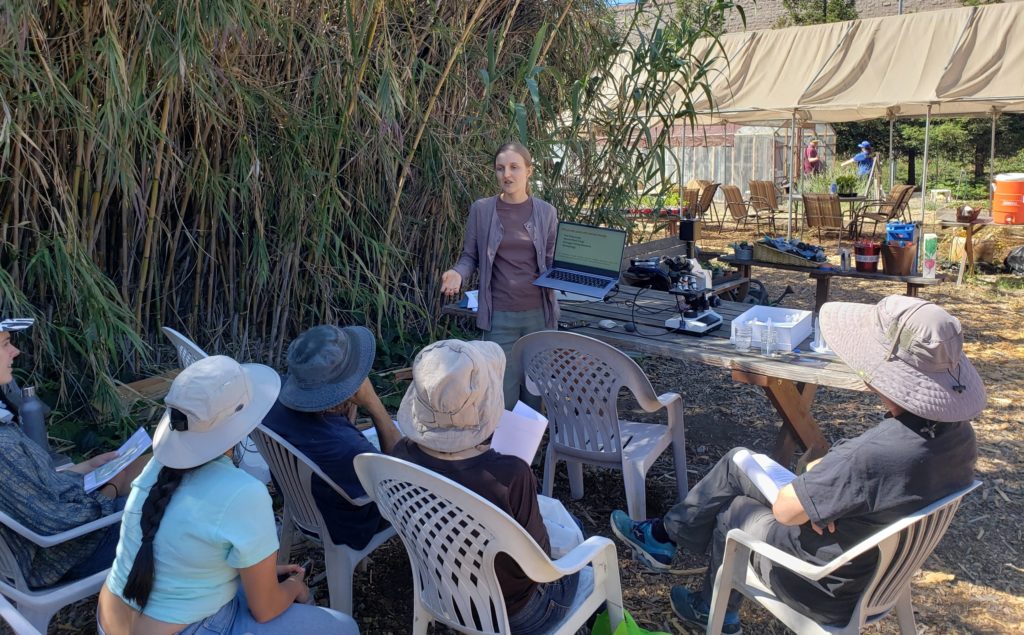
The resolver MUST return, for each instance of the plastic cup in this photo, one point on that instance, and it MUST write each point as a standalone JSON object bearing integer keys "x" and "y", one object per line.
{"x": 744, "y": 335}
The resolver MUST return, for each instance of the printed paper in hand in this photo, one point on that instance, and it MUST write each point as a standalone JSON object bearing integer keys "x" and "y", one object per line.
{"x": 132, "y": 449}
{"x": 766, "y": 474}
{"x": 519, "y": 432}
{"x": 472, "y": 301}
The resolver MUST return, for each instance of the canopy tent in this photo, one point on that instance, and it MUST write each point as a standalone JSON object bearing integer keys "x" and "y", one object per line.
{"x": 967, "y": 61}
{"x": 957, "y": 61}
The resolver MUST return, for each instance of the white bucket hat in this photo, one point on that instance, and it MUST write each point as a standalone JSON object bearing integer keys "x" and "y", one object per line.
{"x": 455, "y": 400}
{"x": 909, "y": 350}
{"x": 211, "y": 406}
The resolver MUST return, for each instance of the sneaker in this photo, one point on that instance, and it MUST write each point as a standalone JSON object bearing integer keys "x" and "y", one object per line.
{"x": 693, "y": 610}
{"x": 637, "y": 534}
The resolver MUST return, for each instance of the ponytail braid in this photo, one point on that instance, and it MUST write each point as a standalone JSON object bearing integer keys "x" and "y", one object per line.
{"x": 140, "y": 579}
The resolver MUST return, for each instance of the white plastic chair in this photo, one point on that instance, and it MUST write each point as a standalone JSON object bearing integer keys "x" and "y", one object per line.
{"x": 37, "y": 606}
{"x": 903, "y": 547}
{"x": 293, "y": 472}
{"x": 578, "y": 379}
{"x": 452, "y": 536}
{"x": 188, "y": 351}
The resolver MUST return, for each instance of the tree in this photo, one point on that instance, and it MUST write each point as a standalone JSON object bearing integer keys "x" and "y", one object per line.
{"x": 804, "y": 12}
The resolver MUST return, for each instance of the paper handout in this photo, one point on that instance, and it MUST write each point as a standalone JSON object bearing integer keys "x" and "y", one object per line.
{"x": 131, "y": 450}
{"x": 767, "y": 475}
{"x": 519, "y": 432}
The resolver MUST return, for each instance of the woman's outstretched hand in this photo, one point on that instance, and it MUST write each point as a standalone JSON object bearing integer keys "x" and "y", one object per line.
{"x": 451, "y": 282}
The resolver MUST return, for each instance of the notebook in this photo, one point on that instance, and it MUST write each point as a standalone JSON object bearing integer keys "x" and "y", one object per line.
{"x": 587, "y": 260}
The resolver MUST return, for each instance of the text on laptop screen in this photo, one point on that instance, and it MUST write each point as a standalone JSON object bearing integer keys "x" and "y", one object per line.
{"x": 590, "y": 247}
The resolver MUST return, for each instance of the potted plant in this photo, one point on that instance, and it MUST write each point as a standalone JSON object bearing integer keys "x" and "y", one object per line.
{"x": 846, "y": 185}
{"x": 743, "y": 250}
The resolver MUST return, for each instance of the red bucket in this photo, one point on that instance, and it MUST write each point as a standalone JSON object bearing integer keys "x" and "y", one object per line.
{"x": 866, "y": 256}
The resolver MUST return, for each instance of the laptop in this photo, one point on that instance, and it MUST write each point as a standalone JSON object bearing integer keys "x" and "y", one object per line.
{"x": 587, "y": 260}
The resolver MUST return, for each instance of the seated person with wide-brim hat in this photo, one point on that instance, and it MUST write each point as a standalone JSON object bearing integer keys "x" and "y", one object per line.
{"x": 50, "y": 502}
{"x": 198, "y": 548}
{"x": 327, "y": 377}
{"x": 447, "y": 416}
{"x": 909, "y": 352}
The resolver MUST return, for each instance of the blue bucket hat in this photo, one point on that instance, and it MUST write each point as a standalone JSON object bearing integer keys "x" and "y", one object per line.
{"x": 864, "y": 144}
{"x": 326, "y": 365}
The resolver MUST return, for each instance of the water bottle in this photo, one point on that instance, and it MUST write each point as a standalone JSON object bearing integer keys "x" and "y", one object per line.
{"x": 832, "y": 188}
{"x": 32, "y": 415}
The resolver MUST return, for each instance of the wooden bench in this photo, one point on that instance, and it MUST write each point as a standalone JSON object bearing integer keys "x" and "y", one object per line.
{"x": 148, "y": 389}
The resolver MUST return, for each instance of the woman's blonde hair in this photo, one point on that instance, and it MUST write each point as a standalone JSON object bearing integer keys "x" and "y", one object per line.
{"x": 521, "y": 150}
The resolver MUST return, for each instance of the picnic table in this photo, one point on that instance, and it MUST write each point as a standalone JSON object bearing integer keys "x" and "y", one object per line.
{"x": 823, "y": 276}
{"x": 790, "y": 381}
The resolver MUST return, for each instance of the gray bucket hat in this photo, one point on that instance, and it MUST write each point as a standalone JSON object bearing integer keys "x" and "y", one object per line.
{"x": 455, "y": 399}
{"x": 326, "y": 365}
{"x": 911, "y": 351}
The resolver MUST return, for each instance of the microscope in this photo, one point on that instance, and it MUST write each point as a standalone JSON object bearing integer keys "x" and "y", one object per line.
{"x": 693, "y": 284}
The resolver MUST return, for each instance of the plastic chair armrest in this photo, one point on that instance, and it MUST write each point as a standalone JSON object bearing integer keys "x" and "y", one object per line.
{"x": 64, "y": 536}
{"x": 587, "y": 552}
{"x": 791, "y": 562}
{"x": 669, "y": 398}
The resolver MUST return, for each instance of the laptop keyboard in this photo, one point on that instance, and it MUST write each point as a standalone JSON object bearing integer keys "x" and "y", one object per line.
{"x": 577, "y": 278}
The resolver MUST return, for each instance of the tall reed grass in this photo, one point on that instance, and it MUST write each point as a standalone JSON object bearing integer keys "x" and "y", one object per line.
{"x": 243, "y": 169}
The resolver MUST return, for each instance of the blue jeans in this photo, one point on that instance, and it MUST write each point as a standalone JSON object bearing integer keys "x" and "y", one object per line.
{"x": 548, "y": 605}
{"x": 234, "y": 618}
{"x": 506, "y": 329}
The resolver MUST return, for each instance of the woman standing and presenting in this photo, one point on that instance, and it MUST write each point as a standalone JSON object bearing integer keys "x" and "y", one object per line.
{"x": 198, "y": 549}
{"x": 510, "y": 238}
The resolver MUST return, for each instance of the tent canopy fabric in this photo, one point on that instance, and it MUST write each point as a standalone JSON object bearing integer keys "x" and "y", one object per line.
{"x": 958, "y": 61}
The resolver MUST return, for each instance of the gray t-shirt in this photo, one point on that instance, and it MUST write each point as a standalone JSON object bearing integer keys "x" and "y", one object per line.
{"x": 862, "y": 485}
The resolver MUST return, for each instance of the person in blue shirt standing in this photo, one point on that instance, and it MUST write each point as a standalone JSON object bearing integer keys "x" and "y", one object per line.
{"x": 864, "y": 159}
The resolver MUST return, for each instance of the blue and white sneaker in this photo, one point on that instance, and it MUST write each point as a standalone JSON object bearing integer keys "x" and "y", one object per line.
{"x": 693, "y": 610}
{"x": 637, "y": 534}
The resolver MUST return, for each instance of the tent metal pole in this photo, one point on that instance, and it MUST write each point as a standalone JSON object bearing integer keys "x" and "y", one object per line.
{"x": 679, "y": 166}
{"x": 892, "y": 157}
{"x": 992, "y": 158}
{"x": 792, "y": 174}
{"x": 924, "y": 170}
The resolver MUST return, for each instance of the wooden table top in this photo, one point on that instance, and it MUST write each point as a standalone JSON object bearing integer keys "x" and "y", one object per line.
{"x": 649, "y": 309}
{"x": 832, "y": 271}
{"x": 949, "y": 220}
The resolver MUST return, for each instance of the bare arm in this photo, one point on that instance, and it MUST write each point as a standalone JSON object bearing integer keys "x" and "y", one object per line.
{"x": 367, "y": 399}
{"x": 267, "y": 597}
{"x": 788, "y": 509}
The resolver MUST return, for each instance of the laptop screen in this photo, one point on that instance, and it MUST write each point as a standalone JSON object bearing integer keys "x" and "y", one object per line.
{"x": 590, "y": 249}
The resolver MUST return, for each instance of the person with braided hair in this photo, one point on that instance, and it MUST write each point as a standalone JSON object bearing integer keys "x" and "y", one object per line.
{"x": 195, "y": 526}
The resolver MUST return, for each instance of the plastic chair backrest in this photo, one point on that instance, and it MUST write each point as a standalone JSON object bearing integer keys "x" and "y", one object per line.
{"x": 188, "y": 351}
{"x": 293, "y": 473}
{"x": 10, "y": 572}
{"x": 905, "y": 547}
{"x": 452, "y": 536}
{"x": 579, "y": 378}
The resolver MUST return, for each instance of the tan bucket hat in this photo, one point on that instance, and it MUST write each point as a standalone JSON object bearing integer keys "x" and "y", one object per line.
{"x": 455, "y": 399}
{"x": 909, "y": 350}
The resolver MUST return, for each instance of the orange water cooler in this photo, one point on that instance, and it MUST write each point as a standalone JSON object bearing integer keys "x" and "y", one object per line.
{"x": 1008, "y": 199}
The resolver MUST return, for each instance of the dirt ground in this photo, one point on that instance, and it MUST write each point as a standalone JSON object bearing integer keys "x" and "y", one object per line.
{"x": 974, "y": 581}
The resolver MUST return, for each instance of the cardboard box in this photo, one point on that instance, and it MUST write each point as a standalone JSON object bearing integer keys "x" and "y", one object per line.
{"x": 792, "y": 326}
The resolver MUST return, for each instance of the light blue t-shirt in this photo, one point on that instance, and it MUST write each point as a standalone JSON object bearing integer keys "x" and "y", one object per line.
{"x": 219, "y": 520}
